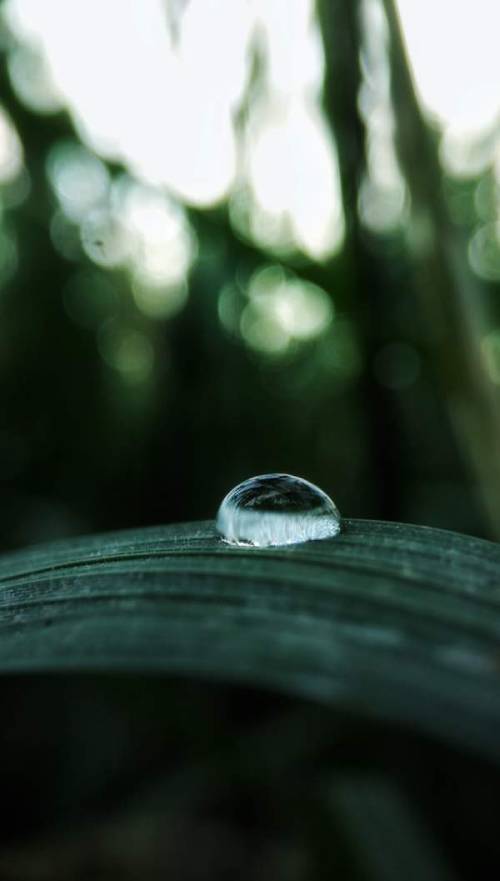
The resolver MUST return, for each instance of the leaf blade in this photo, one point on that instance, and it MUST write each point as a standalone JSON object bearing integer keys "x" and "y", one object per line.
{"x": 387, "y": 621}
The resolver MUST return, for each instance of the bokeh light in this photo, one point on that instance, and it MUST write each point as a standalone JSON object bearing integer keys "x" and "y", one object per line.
{"x": 79, "y": 179}
{"x": 162, "y": 244}
{"x": 11, "y": 152}
{"x": 490, "y": 345}
{"x": 32, "y": 81}
{"x": 122, "y": 224}
{"x": 293, "y": 178}
{"x": 453, "y": 50}
{"x": 383, "y": 198}
{"x": 104, "y": 238}
{"x": 126, "y": 350}
{"x": 276, "y": 310}
{"x": 169, "y": 117}
{"x": 484, "y": 252}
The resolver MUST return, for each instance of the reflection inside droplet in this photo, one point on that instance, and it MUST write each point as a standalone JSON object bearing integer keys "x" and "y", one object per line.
{"x": 276, "y": 509}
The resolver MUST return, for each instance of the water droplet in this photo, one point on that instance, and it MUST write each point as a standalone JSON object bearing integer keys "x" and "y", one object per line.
{"x": 276, "y": 509}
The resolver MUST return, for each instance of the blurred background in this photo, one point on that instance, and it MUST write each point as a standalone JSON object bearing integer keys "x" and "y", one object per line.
{"x": 260, "y": 235}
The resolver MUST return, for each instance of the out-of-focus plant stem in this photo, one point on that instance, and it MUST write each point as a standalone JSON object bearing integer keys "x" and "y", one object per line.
{"x": 342, "y": 38}
{"x": 449, "y": 292}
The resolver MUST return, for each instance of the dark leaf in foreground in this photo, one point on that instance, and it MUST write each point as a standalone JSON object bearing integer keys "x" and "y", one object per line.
{"x": 386, "y": 621}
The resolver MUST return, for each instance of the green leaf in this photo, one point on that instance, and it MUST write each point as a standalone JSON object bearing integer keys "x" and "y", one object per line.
{"x": 386, "y": 621}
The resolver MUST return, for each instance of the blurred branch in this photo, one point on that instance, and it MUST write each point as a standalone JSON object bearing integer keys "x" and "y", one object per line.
{"x": 366, "y": 274}
{"x": 451, "y": 296}
{"x": 174, "y": 11}
{"x": 342, "y": 39}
